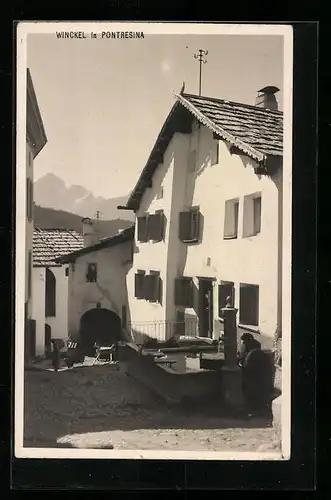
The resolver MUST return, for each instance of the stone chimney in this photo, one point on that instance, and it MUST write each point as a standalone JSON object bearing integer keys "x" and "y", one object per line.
{"x": 266, "y": 98}
{"x": 89, "y": 232}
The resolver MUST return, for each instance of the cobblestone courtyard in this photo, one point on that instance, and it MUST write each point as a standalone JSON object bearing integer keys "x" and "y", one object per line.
{"x": 99, "y": 407}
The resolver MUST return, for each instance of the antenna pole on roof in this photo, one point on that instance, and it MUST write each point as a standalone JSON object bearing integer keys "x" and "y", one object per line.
{"x": 98, "y": 217}
{"x": 200, "y": 56}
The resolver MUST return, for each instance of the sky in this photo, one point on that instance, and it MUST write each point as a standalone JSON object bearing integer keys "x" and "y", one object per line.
{"x": 103, "y": 102}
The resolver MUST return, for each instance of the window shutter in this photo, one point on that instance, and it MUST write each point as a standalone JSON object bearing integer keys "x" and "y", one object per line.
{"x": 249, "y": 305}
{"x": 139, "y": 285}
{"x": 257, "y": 215}
{"x": 155, "y": 226}
{"x": 154, "y": 286}
{"x": 195, "y": 225}
{"x": 185, "y": 226}
{"x": 143, "y": 229}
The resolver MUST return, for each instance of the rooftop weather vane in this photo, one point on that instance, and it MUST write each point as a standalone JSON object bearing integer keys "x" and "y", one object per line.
{"x": 200, "y": 56}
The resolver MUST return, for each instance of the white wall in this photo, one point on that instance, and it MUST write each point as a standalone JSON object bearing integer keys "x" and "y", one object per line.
{"x": 38, "y": 309}
{"x": 29, "y": 230}
{"x": 110, "y": 289}
{"x": 59, "y": 323}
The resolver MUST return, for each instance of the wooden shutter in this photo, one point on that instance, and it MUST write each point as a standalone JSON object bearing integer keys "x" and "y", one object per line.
{"x": 225, "y": 289}
{"x": 139, "y": 285}
{"x": 257, "y": 214}
{"x": 154, "y": 286}
{"x": 194, "y": 225}
{"x": 185, "y": 226}
{"x": 249, "y": 305}
{"x": 155, "y": 226}
{"x": 143, "y": 229}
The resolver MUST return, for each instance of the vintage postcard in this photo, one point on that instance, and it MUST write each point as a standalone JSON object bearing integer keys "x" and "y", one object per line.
{"x": 153, "y": 243}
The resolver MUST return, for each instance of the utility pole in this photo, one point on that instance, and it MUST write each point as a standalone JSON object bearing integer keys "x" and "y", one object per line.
{"x": 200, "y": 56}
{"x": 98, "y": 217}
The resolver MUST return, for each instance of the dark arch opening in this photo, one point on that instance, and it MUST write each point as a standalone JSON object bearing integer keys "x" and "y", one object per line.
{"x": 100, "y": 326}
{"x": 50, "y": 295}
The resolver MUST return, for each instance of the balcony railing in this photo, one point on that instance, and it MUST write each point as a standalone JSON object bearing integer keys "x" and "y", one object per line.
{"x": 162, "y": 330}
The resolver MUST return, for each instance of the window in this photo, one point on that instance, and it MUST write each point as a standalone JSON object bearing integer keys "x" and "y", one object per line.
{"x": 67, "y": 271}
{"x": 249, "y": 305}
{"x": 225, "y": 290}
{"x": 252, "y": 215}
{"x": 91, "y": 275}
{"x": 155, "y": 228}
{"x": 159, "y": 194}
{"x": 257, "y": 215}
{"x": 29, "y": 198}
{"x": 50, "y": 295}
{"x": 184, "y": 296}
{"x": 152, "y": 286}
{"x": 191, "y": 160}
{"x": 215, "y": 153}
{"x": 180, "y": 323}
{"x": 231, "y": 219}
{"x": 139, "y": 284}
{"x": 29, "y": 273}
{"x": 189, "y": 225}
{"x": 143, "y": 229}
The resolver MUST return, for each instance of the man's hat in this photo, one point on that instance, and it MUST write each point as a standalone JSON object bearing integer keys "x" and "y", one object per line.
{"x": 247, "y": 336}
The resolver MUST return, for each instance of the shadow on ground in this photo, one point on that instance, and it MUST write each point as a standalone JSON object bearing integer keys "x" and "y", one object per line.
{"x": 100, "y": 399}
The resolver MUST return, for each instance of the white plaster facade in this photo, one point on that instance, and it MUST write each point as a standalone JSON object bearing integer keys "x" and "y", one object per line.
{"x": 59, "y": 322}
{"x": 217, "y": 177}
{"x": 108, "y": 292}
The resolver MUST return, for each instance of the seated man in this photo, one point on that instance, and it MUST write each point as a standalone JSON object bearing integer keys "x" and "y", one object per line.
{"x": 248, "y": 344}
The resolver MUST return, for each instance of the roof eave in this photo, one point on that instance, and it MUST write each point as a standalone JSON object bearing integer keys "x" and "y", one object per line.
{"x": 35, "y": 130}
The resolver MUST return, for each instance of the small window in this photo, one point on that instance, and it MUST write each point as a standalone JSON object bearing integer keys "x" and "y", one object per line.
{"x": 231, "y": 219}
{"x": 252, "y": 215}
{"x": 215, "y": 152}
{"x": 225, "y": 290}
{"x": 139, "y": 292}
{"x": 143, "y": 229}
{"x": 152, "y": 286}
{"x": 249, "y": 305}
{"x": 91, "y": 275}
{"x": 191, "y": 161}
{"x": 159, "y": 194}
{"x": 189, "y": 225}
{"x": 156, "y": 226}
{"x": 67, "y": 271}
{"x": 184, "y": 292}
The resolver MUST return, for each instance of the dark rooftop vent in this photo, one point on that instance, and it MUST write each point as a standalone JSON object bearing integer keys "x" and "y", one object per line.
{"x": 266, "y": 98}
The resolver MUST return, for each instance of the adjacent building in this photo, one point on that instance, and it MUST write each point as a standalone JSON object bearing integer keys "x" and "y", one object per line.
{"x": 35, "y": 142}
{"x": 50, "y": 284}
{"x": 98, "y": 296}
{"x": 208, "y": 208}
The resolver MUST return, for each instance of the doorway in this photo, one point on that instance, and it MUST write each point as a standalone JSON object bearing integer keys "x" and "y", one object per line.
{"x": 100, "y": 326}
{"x": 206, "y": 307}
{"x": 48, "y": 340}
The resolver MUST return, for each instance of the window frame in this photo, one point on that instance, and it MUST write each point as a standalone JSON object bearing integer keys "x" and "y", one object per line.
{"x": 234, "y": 203}
{"x": 193, "y": 236}
{"x": 243, "y": 315}
{"x": 142, "y": 274}
{"x": 88, "y": 271}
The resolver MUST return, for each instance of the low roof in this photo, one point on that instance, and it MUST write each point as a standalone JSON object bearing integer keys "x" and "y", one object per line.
{"x": 48, "y": 244}
{"x": 117, "y": 239}
{"x": 256, "y": 131}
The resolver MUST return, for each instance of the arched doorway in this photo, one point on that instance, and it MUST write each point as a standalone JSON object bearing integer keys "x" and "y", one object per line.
{"x": 100, "y": 326}
{"x": 50, "y": 294}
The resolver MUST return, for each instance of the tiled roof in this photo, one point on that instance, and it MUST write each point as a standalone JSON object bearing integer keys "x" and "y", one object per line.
{"x": 122, "y": 237}
{"x": 48, "y": 244}
{"x": 258, "y": 128}
{"x": 256, "y": 131}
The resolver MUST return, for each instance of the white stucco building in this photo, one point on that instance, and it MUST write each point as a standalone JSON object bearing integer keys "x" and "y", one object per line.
{"x": 97, "y": 301}
{"x": 35, "y": 141}
{"x": 209, "y": 220}
{"x": 50, "y": 284}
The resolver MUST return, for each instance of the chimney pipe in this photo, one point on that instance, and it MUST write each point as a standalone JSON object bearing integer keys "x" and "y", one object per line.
{"x": 266, "y": 98}
{"x": 89, "y": 233}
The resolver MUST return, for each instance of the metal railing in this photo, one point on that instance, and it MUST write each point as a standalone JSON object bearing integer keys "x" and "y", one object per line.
{"x": 162, "y": 330}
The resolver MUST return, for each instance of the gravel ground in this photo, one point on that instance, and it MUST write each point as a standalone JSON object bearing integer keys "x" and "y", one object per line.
{"x": 99, "y": 407}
